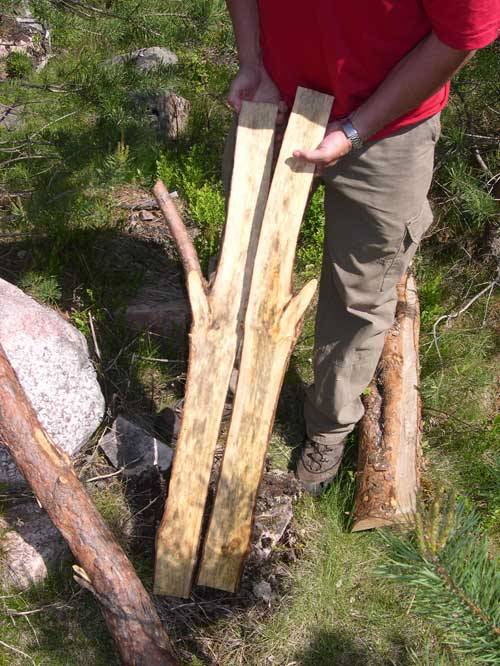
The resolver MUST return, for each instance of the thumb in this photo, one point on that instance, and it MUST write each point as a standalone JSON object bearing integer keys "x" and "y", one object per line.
{"x": 317, "y": 156}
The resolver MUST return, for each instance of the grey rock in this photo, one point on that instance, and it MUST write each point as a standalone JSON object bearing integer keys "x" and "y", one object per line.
{"x": 30, "y": 548}
{"x": 127, "y": 445}
{"x": 147, "y": 59}
{"x": 263, "y": 590}
{"x": 29, "y": 24}
{"x": 50, "y": 357}
{"x": 10, "y": 117}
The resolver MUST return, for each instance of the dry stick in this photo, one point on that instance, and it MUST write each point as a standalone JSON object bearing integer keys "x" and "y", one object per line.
{"x": 454, "y": 315}
{"x": 390, "y": 430}
{"x": 127, "y": 608}
{"x": 213, "y": 346}
{"x": 272, "y": 325}
{"x": 179, "y": 232}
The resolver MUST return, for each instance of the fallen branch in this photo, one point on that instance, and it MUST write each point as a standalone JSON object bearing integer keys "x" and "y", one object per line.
{"x": 105, "y": 569}
{"x": 390, "y": 430}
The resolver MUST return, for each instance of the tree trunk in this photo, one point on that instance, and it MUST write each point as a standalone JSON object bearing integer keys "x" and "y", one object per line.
{"x": 105, "y": 570}
{"x": 390, "y": 431}
{"x": 213, "y": 345}
{"x": 272, "y": 324}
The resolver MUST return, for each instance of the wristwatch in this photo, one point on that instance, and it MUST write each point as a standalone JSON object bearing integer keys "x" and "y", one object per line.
{"x": 351, "y": 133}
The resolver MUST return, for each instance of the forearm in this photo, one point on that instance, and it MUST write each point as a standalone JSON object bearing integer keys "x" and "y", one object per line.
{"x": 245, "y": 18}
{"x": 420, "y": 74}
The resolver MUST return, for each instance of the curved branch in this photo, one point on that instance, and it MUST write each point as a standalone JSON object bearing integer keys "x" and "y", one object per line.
{"x": 177, "y": 228}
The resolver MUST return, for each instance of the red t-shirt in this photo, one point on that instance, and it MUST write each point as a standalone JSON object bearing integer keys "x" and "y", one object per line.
{"x": 347, "y": 47}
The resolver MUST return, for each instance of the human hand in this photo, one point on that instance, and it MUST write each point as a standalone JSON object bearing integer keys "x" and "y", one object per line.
{"x": 253, "y": 83}
{"x": 334, "y": 146}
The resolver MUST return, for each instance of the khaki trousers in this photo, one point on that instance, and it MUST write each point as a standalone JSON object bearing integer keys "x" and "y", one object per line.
{"x": 376, "y": 211}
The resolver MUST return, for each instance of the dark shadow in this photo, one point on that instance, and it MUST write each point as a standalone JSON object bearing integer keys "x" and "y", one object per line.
{"x": 103, "y": 272}
{"x": 335, "y": 648}
{"x": 290, "y": 423}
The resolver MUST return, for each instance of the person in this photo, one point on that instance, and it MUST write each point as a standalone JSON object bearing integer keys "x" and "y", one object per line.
{"x": 388, "y": 64}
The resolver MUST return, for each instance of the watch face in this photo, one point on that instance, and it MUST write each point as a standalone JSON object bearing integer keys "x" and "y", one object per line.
{"x": 352, "y": 134}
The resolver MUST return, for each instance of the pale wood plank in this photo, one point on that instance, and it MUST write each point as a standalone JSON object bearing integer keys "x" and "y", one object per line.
{"x": 272, "y": 325}
{"x": 213, "y": 344}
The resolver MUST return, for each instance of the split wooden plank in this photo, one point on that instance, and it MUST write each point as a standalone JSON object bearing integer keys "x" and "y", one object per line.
{"x": 272, "y": 325}
{"x": 391, "y": 429}
{"x": 104, "y": 568}
{"x": 213, "y": 346}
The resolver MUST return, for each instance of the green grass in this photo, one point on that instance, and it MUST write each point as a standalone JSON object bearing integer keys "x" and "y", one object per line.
{"x": 83, "y": 144}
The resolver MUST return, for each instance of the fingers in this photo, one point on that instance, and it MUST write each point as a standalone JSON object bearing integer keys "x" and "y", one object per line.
{"x": 236, "y": 97}
{"x": 241, "y": 90}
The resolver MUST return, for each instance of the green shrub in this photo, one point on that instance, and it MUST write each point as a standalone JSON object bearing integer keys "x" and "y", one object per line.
{"x": 18, "y": 65}
{"x": 454, "y": 578}
{"x": 310, "y": 250}
{"x": 475, "y": 205}
{"x": 204, "y": 197}
{"x": 44, "y": 288}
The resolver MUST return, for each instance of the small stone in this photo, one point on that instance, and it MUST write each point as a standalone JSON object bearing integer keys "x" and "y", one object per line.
{"x": 31, "y": 546}
{"x": 147, "y": 59}
{"x": 130, "y": 447}
{"x": 11, "y": 118}
{"x": 263, "y": 590}
{"x": 147, "y": 216}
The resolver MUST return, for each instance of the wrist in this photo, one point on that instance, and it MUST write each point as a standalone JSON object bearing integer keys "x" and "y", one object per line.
{"x": 250, "y": 62}
{"x": 351, "y": 133}
{"x": 361, "y": 122}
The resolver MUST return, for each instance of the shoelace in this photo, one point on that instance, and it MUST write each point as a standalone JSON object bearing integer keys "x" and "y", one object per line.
{"x": 318, "y": 451}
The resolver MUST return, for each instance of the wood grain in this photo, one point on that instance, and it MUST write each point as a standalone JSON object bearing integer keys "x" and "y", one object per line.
{"x": 213, "y": 346}
{"x": 272, "y": 324}
{"x": 390, "y": 431}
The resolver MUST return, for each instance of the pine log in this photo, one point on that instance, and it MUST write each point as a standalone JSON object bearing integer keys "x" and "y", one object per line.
{"x": 104, "y": 568}
{"x": 272, "y": 325}
{"x": 213, "y": 346}
{"x": 390, "y": 431}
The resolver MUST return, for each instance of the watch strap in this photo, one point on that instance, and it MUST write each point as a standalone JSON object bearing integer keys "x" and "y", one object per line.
{"x": 351, "y": 133}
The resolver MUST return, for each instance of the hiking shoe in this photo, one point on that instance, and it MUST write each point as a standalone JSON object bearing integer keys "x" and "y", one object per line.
{"x": 318, "y": 465}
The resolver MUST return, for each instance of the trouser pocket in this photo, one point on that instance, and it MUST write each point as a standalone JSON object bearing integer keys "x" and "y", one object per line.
{"x": 395, "y": 266}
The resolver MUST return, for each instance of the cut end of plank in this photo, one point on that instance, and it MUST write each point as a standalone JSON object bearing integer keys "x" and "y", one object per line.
{"x": 223, "y": 583}
{"x": 223, "y": 575}
{"x": 375, "y": 522}
{"x": 172, "y": 587}
{"x": 312, "y": 104}
{"x": 258, "y": 115}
